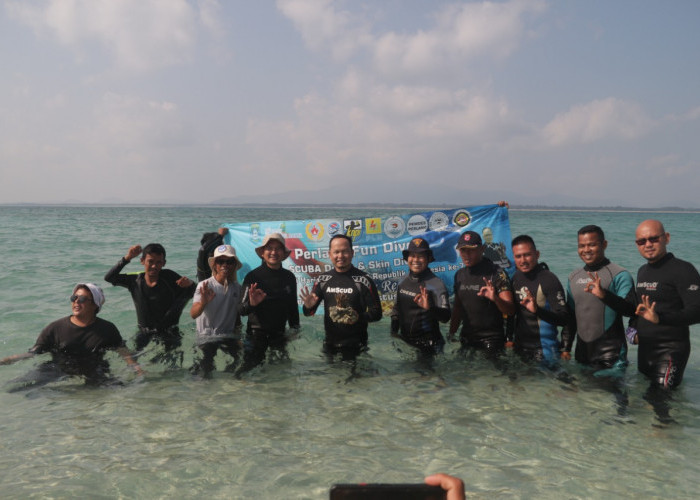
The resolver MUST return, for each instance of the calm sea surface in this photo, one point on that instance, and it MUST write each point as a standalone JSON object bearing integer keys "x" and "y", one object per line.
{"x": 290, "y": 430}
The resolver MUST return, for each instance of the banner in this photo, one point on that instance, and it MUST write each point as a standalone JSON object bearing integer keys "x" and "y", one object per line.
{"x": 378, "y": 243}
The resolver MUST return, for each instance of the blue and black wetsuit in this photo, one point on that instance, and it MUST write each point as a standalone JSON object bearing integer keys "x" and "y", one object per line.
{"x": 537, "y": 335}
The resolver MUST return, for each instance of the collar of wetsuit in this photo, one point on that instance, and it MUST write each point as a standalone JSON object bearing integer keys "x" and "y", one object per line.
{"x": 599, "y": 265}
{"x": 661, "y": 261}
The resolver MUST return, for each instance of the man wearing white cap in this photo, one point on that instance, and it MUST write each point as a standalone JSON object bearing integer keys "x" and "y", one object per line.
{"x": 214, "y": 307}
{"x": 77, "y": 343}
{"x": 270, "y": 303}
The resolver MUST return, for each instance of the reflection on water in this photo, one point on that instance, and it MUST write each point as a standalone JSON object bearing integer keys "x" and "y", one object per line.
{"x": 289, "y": 430}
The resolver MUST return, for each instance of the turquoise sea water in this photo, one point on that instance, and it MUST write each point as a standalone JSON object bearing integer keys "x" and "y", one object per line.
{"x": 290, "y": 430}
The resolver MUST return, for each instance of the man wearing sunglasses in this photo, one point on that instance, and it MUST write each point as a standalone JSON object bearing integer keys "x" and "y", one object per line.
{"x": 77, "y": 343}
{"x": 667, "y": 302}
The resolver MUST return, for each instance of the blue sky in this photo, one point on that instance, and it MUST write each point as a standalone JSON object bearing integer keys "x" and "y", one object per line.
{"x": 568, "y": 102}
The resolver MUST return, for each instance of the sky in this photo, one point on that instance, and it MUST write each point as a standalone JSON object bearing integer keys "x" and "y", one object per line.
{"x": 590, "y": 102}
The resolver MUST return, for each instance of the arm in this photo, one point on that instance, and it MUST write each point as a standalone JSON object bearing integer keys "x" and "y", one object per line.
{"x": 16, "y": 357}
{"x": 293, "y": 306}
{"x": 374, "y": 307}
{"x": 558, "y": 312}
{"x": 203, "y": 295}
{"x": 455, "y": 319}
{"x": 568, "y": 333}
{"x": 311, "y": 299}
{"x": 453, "y": 486}
{"x": 689, "y": 291}
{"x": 128, "y": 358}
{"x": 441, "y": 306}
{"x": 113, "y": 276}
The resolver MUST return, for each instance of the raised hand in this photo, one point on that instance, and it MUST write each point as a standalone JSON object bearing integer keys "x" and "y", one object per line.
{"x": 134, "y": 251}
{"x": 256, "y": 295}
{"x": 646, "y": 309}
{"x": 309, "y": 299}
{"x": 422, "y": 298}
{"x": 594, "y": 286}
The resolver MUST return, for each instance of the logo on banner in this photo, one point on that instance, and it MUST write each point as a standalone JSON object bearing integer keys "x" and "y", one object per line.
{"x": 255, "y": 233}
{"x": 334, "y": 227}
{"x": 417, "y": 224}
{"x": 314, "y": 231}
{"x": 461, "y": 218}
{"x": 394, "y": 227}
{"x": 438, "y": 221}
{"x": 373, "y": 225}
{"x": 352, "y": 228}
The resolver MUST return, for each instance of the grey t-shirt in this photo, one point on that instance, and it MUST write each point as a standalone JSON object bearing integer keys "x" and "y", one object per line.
{"x": 219, "y": 320}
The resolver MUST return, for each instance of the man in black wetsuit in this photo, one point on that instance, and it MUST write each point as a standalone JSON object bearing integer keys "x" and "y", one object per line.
{"x": 159, "y": 296}
{"x": 209, "y": 242}
{"x": 483, "y": 295}
{"x": 269, "y": 301}
{"x": 422, "y": 303}
{"x": 542, "y": 305}
{"x": 666, "y": 303}
{"x": 77, "y": 343}
{"x": 350, "y": 301}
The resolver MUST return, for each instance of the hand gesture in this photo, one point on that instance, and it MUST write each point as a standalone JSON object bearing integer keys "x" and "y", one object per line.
{"x": 184, "y": 282}
{"x": 594, "y": 286}
{"x": 647, "y": 310}
{"x": 488, "y": 290}
{"x": 309, "y": 299}
{"x": 134, "y": 251}
{"x": 422, "y": 299}
{"x": 528, "y": 301}
{"x": 207, "y": 294}
{"x": 256, "y": 295}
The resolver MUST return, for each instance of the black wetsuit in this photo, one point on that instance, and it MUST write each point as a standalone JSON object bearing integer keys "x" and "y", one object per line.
{"x": 419, "y": 327}
{"x": 536, "y": 335}
{"x": 482, "y": 320}
{"x": 351, "y": 302}
{"x": 158, "y": 308}
{"x": 267, "y": 320}
{"x": 77, "y": 350}
{"x": 664, "y": 348}
{"x": 209, "y": 242}
{"x": 600, "y": 333}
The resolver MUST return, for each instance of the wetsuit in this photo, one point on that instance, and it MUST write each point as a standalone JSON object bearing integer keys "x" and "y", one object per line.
{"x": 218, "y": 327}
{"x": 419, "y": 327}
{"x": 482, "y": 321}
{"x": 351, "y": 302}
{"x": 664, "y": 348}
{"x": 158, "y": 308}
{"x": 536, "y": 335}
{"x": 267, "y": 320}
{"x": 76, "y": 350}
{"x": 600, "y": 334}
{"x": 209, "y": 242}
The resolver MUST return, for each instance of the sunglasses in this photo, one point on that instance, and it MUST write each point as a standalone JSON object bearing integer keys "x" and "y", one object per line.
{"x": 651, "y": 239}
{"x": 81, "y": 299}
{"x": 224, "y": 262}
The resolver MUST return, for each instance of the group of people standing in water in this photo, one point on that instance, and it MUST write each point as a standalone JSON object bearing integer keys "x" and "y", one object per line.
{"x": 530, "y": 311}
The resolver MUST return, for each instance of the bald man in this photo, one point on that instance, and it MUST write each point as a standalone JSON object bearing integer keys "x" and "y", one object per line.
{"x": 667, "y": 303}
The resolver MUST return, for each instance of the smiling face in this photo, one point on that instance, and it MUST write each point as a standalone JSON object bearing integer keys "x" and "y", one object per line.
{"x": 417, "y": 262}
{"x": 341, "y": 254}
{"x": 273, "y": 254}
{"x": 525, "y": 256}
{"x": 653, "y": 238}
{"x": 83, "y": 307}
{"x": 224, "y": 269}
{"x": 152, "y": 264}
{"x": 471, "y": 256}
{"x": 591, "y": 248}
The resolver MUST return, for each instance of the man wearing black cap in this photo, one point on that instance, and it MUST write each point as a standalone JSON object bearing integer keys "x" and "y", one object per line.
{"x": 421, "y": 304}
{"x": 483, "y": 295}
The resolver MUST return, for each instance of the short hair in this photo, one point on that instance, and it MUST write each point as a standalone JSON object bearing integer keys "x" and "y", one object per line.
{"x": 343, "y": 236}
{"x": 591, "y": 228}
{"x": 523, "y": 238}
{"x": 153, "y": 249}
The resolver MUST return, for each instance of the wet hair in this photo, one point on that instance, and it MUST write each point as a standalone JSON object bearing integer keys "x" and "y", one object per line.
{"x": 153, "y": 249}
{"x": 592, "y": 229}
{"x": 523, "y": 238}
{"x": 343, "y": 236}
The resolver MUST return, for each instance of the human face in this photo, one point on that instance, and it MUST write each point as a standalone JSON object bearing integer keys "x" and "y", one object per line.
{"x": 471, "y": 256}
{"x": 224, "y": 267}
{"x": 152, "y": 264}
{"x": 83, "y": 306}
{"x": 591, "y": 249}
{"x": 417, "y": 262}
{"x": 273, "y": 254}
{"x": 341, "y": 254}
{"x": 647, "y": 231}
{"x": 487, "y": 234}
{"x": 525, "y": 257}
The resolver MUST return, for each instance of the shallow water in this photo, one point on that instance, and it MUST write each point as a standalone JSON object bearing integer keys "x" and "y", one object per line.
{"x": 291, "y": 429}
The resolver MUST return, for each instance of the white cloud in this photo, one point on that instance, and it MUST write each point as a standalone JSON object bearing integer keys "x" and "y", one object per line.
{"x": 140, "y": 34}
{"x": 597, "y": 120}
